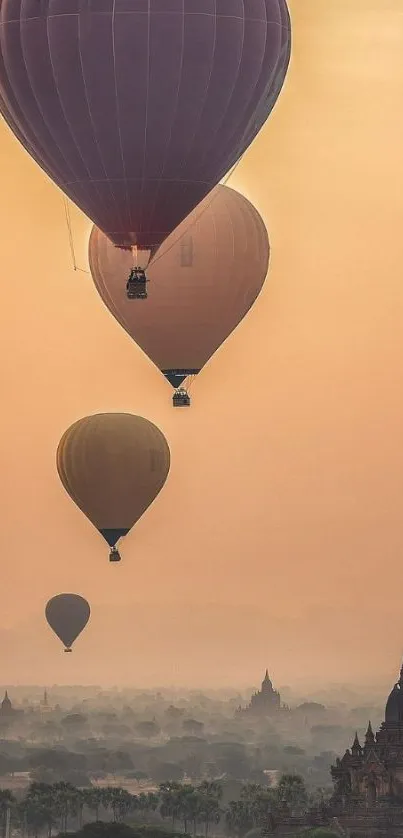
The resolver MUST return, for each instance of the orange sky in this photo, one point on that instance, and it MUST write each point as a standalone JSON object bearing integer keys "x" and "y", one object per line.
{"x": 278, "y": 539}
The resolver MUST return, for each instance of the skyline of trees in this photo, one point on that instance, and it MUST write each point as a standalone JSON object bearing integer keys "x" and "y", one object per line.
{"x": 47, "y": 809}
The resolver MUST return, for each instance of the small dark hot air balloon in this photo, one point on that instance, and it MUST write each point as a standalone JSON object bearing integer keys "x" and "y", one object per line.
{"x": 137, "y": 108}
{"x": 113, "y": 465}
{"x": 67, "y": 615}
{"x": 203, "y": 281}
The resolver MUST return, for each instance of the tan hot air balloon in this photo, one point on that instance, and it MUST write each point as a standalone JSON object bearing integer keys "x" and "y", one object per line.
{"x": 67, "y": 615}
{"x": 113, "y": 465}
{"x": 202, "y": 282}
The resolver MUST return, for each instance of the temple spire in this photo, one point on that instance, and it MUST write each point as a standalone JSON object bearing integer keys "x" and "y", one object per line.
{"x": 356, "y": 747}
{"x": 369, "y": 736}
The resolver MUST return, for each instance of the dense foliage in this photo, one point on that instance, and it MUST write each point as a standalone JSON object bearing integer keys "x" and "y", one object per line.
{"x": 60, "y": 807}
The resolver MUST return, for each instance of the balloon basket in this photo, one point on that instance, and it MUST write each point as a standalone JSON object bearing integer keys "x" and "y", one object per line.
{"x": 136, "y": 285}
{"x": 68, "y": 650}
{"x": 181, "y": 399}
{"x": 114, "y": 556}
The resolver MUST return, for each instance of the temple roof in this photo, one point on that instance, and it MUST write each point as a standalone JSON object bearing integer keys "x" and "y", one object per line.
{"x": 394, "y": 704}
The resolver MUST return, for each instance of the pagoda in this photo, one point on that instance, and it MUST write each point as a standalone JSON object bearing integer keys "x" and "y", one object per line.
{"x": 266, "y": 701}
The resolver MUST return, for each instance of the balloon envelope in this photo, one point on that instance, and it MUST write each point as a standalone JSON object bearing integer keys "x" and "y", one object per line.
{"x": 113, "y": 465}
{"x": 137, "y": 108}
{"x": 67, "y": 615}
{"x": 202, "y": 282}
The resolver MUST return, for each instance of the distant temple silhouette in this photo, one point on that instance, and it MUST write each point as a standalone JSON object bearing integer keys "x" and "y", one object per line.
{"x": 7, "y": 711}
{"x": 44, "y": 704}
{"x": 265, "y": 702}
{"x": 6, "y": 708}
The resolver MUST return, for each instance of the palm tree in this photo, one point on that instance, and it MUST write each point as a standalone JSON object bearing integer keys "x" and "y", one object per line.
{"x": 193, "y": 804}
{"x": 93, "y": 799}
{"x": 211, "y": 789}
{"x": 147, "y": 803}
{"x": 80, "y": 806}
{"x": 260, "y": 801}
{"x": 119, "y": 800}
{"x": 210, "y": 812}
{"x": 38, "y": 808}
{"x": 239, "y": 817}
{"x": 170, "y": 794}
{"x": 34, "y": 818}
{"x": 183, "y": 795}
{"x": 210, "y": 796}
{"x": 7, "y": 803}
{"x": 66, "y": 802}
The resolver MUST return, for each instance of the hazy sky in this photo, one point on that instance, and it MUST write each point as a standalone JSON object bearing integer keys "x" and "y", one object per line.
{"x": 278, "y": 539}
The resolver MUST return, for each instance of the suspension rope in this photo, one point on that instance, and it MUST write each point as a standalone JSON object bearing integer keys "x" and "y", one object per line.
{"x": 71, "y": 238}
{"x": 70, "y": 232}
{"x": 188, "y": 229}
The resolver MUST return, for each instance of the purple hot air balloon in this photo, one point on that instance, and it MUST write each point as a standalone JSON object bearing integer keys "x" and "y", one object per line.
{"x": 137, "y": 108}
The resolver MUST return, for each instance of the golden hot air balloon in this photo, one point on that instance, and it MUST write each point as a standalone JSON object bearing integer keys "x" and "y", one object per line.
{"x": 67, "y": 615}
{"x": 113, "y": 465}
{"x": 202, "y": 282}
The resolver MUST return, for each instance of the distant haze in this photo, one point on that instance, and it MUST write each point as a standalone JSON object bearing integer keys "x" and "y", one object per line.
{"x": 278, "y": 538}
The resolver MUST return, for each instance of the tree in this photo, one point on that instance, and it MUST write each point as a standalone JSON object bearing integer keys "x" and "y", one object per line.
{"x": 173, "y": 713}
{"x": 66, "y": 799}
{"x": 93, "y": 799}
{"x": 193, "y": 807}
{"x": 252, "y": 810}
{"x": 238, "y": 816}
{"x": 119, "y": 800}
{"x": 261, "y": 801}
{"x": 120, "y": 830}
{"x": 210, "y": 794}
{"x": 147, "y": 803}
{"x": 184, "y": 792}
{"x": 193, "y": 726}
{"x": 37, "y": 810}
{"x": 148, "y": 729}
{"x": 7, "y": 804}
{"x": 320, "y": 832}
{"x": 291, "y": 790}
{"x": 118, "y": 761}
{"x": 171, "y": 800}
{"x": 57, "y": 760}
{"x": 211, "y": 788}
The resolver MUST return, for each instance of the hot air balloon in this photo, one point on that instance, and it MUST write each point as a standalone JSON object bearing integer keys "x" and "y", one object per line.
{"x": 136, "y": 109}
{"x": 204, "y": 279}
{"x": 113, "y": 465}
{"x": 67, "y": 615}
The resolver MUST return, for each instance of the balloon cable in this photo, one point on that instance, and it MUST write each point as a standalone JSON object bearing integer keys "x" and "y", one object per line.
{"x": 71, "y": 239}
{"x": 70, "y": 233}
{"x": 188, "y": 229}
